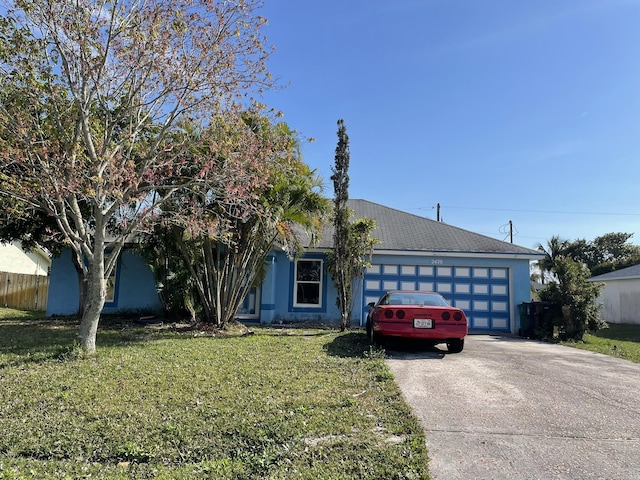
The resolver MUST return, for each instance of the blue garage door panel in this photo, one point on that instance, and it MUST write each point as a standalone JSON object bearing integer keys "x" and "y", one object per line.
{"x": 482, "y": 292}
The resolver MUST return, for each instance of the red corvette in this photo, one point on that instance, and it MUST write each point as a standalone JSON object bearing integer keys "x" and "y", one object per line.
{"x": 421, "y": 315}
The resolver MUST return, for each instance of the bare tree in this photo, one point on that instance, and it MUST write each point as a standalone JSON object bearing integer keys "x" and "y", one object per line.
{"x": 91, "y": 100}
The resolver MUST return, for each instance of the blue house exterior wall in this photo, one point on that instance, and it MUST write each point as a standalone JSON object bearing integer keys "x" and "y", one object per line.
{"x": 135, "y": 288}
{"x": 278, "y": 288}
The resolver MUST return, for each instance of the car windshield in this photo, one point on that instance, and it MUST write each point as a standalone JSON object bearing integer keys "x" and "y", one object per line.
{"x": 419, "y": 299}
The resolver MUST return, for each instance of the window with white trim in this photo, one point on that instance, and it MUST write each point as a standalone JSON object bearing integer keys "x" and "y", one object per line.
{"x": 308, "y": 283}
{"x": 111, "y": 286}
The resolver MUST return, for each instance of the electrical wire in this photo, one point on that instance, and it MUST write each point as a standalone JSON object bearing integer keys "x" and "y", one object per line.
{"x": 560, "y": 212}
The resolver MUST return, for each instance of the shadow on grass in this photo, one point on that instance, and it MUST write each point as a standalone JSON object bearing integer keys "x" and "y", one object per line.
{"x": 621, "y": 332}
{"x": 37, "y": 340}
{"x": 28, "y": 341}
{"x": 299, "y": 329}
{"x": 350, "y": 345}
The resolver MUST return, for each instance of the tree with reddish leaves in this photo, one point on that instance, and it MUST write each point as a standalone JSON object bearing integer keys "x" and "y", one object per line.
{"x": 217, "y": 235}
{"x": 94, "y": 96}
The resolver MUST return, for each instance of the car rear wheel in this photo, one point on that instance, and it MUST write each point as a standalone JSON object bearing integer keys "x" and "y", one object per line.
{"x": 374, "y": 338}
{"x": 369, "y": 331}
{"x": 455, "y": 345}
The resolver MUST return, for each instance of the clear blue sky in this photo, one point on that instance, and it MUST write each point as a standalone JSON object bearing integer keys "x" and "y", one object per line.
{"x": 499, "y": 110}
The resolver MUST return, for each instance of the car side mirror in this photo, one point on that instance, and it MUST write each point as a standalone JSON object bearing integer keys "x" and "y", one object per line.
{"x": 371, "y": 304}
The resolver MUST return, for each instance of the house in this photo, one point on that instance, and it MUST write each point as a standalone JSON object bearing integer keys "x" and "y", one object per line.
{"x": 131, "y": 287}
{"x": 620, "y": 297}
{"x": 23, "y": 277}
{"x": 485, "y": 277}
{"x": 13, "y": 259}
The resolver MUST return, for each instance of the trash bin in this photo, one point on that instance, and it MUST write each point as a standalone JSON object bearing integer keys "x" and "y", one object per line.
{"x": 535, "y": 319}
{"x": 526, "y": 320}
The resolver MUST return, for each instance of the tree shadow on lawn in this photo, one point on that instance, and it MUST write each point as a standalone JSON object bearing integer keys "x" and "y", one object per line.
{"x": 622, "y": 332}
{"x": 25, "y": 341}
{"x": 356, "y": 345}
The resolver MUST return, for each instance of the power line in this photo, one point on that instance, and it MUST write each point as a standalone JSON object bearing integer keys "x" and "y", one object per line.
{"x": 560, "y": 212}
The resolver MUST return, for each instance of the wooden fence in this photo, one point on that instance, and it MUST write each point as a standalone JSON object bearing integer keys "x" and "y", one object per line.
{"x": 23, "y": 292}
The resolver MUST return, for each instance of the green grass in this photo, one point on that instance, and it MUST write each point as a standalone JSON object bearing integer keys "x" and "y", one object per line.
{"x": 280, "y": 404}
{"x": 621, "y": 341}
{"x": 16, "y": 314}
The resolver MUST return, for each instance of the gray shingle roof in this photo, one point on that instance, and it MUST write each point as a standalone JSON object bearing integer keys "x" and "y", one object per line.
{"x": 625, "y": 273}
{"x": 404, "y": 231}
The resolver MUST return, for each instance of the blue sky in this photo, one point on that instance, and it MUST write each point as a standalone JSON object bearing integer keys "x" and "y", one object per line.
{"x": 498, "y": 110}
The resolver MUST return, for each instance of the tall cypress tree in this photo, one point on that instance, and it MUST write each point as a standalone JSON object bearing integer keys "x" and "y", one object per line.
{"x": 340, "y": 269}
{"x": 352, "y": 240}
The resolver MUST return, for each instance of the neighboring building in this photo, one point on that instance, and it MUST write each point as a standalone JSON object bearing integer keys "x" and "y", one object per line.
{"x": 620, "y": 297}
{"x": 485, "y": 277}
{"x": 23, "y": 277}
{"x": 13, "y": 259}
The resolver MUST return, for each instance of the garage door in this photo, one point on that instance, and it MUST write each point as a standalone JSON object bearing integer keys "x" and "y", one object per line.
{"x": 482, "y": 292}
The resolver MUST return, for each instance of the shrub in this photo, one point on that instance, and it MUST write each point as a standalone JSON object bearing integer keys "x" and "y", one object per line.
{"x": 576, "y": 296}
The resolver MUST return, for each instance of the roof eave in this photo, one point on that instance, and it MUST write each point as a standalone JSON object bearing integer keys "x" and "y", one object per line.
{"x": 422, "y": 253}
{"x": 596, "y": 279}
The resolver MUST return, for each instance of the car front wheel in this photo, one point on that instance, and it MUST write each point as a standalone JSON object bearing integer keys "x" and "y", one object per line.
{"x": 455, "y": 345}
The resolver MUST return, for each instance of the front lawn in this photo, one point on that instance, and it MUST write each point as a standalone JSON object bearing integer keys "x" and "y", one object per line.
{"x": 153, "y": 403}
{"x": 618, "y": 341}
{"x": 14, "y": 314}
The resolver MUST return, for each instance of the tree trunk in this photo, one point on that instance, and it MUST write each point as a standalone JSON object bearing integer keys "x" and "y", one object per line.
{"x": 344, "y": 323}
{"x": 82, "y": 285}
{"x": 345, "y": 299}
{"x": 94, "y": 298}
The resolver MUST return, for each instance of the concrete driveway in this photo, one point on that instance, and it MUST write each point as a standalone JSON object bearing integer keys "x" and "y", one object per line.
{"x": 508, "y": 408}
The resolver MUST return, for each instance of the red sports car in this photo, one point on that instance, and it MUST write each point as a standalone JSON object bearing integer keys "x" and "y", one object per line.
{"x": 421, "y": 315}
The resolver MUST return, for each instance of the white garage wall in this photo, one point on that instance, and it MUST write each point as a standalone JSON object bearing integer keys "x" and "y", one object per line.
{"x": 14, "y": 260}
{"x": 621, "y": 301}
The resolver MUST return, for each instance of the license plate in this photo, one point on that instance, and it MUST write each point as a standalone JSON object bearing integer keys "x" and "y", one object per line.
{"x": 422, "y": 323}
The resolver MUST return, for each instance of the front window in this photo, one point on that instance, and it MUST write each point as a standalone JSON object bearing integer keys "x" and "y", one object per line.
{"x": 308, "y": 283}
{"x": 110, "y": 295}
{"x": 111, "y": 283}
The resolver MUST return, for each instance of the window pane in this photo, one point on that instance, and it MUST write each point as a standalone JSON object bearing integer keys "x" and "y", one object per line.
{"x": 308, "y": 270}
{"x": 308, "y": 283}
{"x": 308, "y": 293}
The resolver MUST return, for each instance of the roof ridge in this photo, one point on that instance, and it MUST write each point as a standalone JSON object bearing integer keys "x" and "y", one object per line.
{"x": 447, "y": 225}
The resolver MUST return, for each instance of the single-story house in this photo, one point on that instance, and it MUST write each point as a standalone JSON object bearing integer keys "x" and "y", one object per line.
{"x": 620, "y": 297}
{"x": 485, "y": 277}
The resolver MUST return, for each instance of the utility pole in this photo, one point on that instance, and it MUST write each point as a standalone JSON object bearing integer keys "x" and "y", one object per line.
{"x": 511, "y": 230}
{"x": 438, "y": 213}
